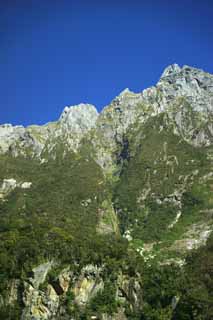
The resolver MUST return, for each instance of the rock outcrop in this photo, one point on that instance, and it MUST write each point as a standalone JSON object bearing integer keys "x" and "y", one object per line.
{"x": 72, "y": 126}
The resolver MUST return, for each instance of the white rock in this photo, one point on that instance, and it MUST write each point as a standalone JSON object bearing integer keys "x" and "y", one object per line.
{"x": 7, "y": 186}
{"x": 79, "y": 118}
{"x": 26, "y": 185}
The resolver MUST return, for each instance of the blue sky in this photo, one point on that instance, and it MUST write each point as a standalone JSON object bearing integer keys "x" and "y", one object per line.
{"x": 58, "y": 53}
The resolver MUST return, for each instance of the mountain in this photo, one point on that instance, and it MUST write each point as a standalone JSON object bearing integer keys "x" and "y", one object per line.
{"x": 110, "y": 216}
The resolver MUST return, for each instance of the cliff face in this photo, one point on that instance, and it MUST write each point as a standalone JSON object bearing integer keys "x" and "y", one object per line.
{"x": 94, "y": 207}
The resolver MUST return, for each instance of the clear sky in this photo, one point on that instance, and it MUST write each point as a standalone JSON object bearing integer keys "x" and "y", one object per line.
{"x": 64, "y": 52}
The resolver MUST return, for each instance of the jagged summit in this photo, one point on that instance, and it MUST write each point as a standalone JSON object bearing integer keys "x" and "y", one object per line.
{"x": 193, "y": 84}
{"x": 171, "y": 69}
{"x": 175, "y": 71}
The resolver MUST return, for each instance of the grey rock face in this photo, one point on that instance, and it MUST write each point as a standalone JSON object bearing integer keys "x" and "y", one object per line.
{"x": 40, "y": 273}
{"x": 193, "y": 84}
{"x": 87, "y": 285}
{"x": 79, "y": 118}
{"x": 74, "y": 123}
{"x": 187, "y": 98}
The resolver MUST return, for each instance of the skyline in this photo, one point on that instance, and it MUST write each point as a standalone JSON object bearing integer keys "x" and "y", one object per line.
{"x": 57, "y": 54}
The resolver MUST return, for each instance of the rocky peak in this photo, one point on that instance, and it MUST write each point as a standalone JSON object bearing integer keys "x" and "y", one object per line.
{"x": 188, "y": 78}
{"x": 79, "y": 117}
{"x": 194, "y": 85}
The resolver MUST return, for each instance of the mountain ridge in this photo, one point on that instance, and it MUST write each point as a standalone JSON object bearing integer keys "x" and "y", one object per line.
{"x": 169, "y": 70}
{"x": 190, "y": 83}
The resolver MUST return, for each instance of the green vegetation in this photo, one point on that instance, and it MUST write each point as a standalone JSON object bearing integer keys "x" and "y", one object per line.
{"x": 51, "y": 218}
{"x": 161, "y": 167}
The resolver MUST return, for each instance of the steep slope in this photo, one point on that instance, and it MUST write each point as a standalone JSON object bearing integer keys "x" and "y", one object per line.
{"x": 100, "y": 212}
